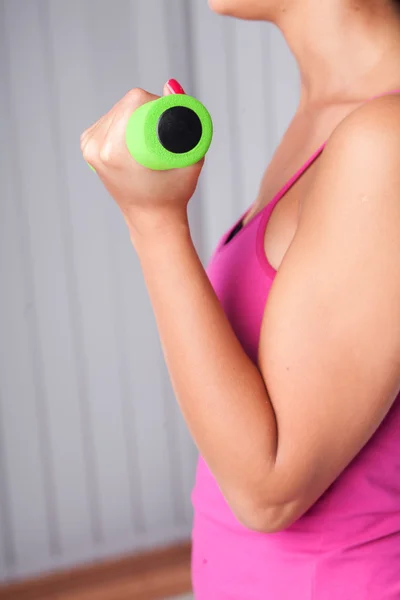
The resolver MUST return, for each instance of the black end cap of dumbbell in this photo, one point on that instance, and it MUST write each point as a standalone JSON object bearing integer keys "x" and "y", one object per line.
{"x": 179, "y": 129}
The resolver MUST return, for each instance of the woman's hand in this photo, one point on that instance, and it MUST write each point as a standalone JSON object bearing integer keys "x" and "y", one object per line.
{"x": 149, "y": 200}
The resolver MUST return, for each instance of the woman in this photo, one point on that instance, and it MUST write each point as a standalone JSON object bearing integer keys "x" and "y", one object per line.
{"x": 284, "y": 356}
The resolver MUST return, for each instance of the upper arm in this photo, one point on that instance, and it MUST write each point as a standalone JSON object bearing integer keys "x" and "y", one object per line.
{"x": 330, "y": 341}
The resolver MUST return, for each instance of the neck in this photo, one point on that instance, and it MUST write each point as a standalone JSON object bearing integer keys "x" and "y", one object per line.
{"x": 345, "y": 51}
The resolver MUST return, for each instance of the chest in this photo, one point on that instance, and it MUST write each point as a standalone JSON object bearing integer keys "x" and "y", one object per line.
{"x": 284, "y": 218}
{"x": 295, "y": 162}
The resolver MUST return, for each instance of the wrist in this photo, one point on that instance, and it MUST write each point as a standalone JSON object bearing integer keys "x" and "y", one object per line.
{"x": 150, "y": 227}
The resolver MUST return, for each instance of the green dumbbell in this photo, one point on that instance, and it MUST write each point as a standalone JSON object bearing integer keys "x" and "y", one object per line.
{"x": 169, "y": 133}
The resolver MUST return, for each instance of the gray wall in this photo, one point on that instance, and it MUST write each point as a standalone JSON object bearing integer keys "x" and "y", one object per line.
{"x": 94, "y": 457}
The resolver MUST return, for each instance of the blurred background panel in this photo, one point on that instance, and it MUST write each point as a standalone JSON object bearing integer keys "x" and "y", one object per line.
{"x": 95, "y": 459}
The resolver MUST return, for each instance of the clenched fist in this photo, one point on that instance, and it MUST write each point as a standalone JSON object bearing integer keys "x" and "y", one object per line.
{"x": 147, "y": 199}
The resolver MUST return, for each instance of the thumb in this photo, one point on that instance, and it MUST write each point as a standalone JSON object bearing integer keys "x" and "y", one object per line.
{"x": 173, "y": 87}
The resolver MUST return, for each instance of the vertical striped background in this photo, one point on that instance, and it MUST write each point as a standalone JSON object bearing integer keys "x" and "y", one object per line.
{"x": 95, "y": 459}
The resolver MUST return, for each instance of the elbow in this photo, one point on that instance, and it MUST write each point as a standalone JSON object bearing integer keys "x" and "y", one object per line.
{"x": 268, "y": 507}
{"x": 270, "y": 521}
{"x": 263, "y": 518}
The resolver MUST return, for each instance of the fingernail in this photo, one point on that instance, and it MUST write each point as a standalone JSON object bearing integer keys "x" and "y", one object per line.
{"x": 175, "y": 87}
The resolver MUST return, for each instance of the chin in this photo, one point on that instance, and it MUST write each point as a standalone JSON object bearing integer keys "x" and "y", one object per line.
{"x": 242, "y": 9}
{"x": 219, "y": 6}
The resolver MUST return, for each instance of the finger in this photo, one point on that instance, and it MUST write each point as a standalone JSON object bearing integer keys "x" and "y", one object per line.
{"x": 113, "y": 145}
{"x": 104, "y": 120}
{"x": 173, "y": 87}
{"x": 90, "y": 131}
{"x": 92, "y": 138}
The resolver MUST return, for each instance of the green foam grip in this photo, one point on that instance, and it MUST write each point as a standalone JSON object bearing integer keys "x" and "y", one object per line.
{"x": 157, "y": 137}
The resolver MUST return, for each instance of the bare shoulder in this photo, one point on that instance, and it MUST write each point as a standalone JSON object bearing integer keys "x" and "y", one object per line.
{"x": 361, "y": 159}
{"x": 370, "y": 133}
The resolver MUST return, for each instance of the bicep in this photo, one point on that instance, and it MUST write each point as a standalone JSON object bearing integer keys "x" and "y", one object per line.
{"x": 330, "y": 341}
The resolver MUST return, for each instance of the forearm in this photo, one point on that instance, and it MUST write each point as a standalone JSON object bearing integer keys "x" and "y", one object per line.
{"x": 220, "y": 391}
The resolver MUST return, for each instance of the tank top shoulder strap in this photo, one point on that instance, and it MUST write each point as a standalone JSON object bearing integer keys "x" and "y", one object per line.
{"x": 390, "y": 93}
{"x": 297, "y": 175}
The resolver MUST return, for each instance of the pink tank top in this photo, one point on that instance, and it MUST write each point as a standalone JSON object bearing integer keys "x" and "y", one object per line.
{"x": 347, "y": 546}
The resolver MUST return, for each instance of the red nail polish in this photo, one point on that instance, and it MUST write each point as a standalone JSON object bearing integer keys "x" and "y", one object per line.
{"x": 175, "y": 87}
